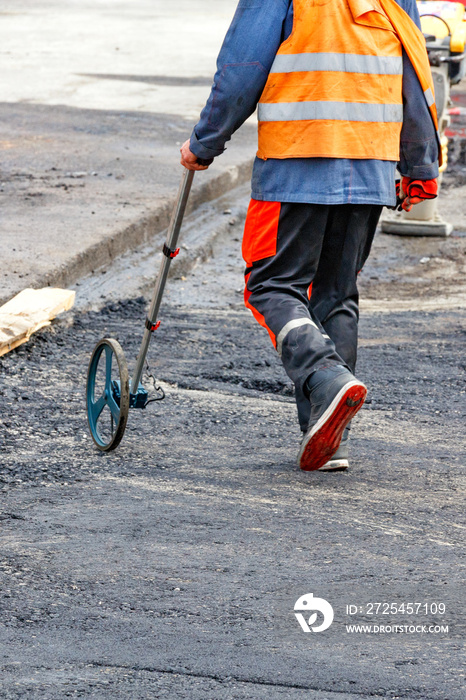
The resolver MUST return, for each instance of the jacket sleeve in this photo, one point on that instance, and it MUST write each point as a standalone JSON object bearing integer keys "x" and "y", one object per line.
{"x": 243, "y": 65}
{"x": 418, "y": 142}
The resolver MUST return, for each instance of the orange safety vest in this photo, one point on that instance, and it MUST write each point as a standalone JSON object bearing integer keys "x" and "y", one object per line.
{"x": 335, "y": 87}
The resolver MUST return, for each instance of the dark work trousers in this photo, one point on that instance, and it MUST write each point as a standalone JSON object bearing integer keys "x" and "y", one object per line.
{"x": 301, "y": 282}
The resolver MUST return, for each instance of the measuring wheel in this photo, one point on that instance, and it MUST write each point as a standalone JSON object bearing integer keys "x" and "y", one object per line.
{"x": 107, "y": 394}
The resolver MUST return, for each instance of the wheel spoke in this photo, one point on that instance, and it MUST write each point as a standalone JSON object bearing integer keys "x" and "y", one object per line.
{"x": 98, "y": 406}
{"x": 114, "y": 408}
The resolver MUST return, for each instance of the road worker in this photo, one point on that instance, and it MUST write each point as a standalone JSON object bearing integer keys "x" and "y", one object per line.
{"x": 344, "y": 96}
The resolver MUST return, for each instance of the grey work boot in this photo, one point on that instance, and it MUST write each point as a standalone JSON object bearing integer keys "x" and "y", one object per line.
{"x": 335, "y": 396}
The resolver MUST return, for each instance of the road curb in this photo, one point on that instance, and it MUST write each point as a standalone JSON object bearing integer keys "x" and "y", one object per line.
{"x": 141, "y": 231}
{"x": 198, "y": 243}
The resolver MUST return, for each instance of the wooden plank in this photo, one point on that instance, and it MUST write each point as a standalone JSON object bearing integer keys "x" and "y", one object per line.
{"x": 29, "y": 311}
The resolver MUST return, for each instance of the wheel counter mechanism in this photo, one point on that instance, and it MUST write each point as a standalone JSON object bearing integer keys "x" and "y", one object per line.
{"x": 110, "y": 393}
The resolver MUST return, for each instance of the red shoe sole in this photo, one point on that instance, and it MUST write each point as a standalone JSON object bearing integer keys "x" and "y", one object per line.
{"x": 324, "y": 438}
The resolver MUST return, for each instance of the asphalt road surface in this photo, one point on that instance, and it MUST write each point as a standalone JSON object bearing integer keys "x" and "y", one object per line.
{"x": 170, "y": 568}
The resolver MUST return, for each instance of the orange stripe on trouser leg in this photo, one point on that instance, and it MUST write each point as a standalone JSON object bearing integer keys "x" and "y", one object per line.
{"x": 258, "y": 316}
{"x": 259, "y": 242}
{"x": 309, "y": 291}
{"x": 260, "y": 231}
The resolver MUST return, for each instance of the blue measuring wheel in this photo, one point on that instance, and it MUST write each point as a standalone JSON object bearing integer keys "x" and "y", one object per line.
{"x": 107, "y": 394}
{"x": 110, "y": 395}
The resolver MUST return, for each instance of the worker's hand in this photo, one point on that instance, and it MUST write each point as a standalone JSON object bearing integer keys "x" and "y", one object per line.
{"x": 415, "y": 191}
{"x": 189, "y": 160}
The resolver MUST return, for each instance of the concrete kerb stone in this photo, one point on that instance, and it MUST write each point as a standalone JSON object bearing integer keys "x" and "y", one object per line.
{"x": 147, "y": 229}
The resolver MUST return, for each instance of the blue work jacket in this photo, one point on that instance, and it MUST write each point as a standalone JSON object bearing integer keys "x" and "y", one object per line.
{"x": 252, "y": 41}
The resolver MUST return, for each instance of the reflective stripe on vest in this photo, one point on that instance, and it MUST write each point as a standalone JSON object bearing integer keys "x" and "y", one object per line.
{"x": 337, "y": 111}
{"x": 338, "y": 62}
{"x": 334, "y": 89}
{"x": 430, "y": 99}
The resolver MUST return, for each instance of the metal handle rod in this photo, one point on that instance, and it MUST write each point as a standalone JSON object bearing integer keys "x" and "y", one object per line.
{"x": 171, "y": 241}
